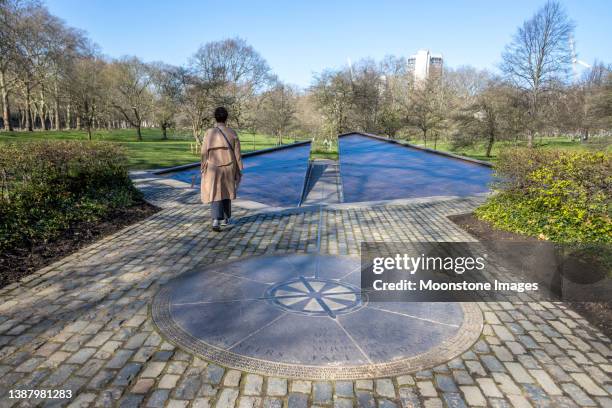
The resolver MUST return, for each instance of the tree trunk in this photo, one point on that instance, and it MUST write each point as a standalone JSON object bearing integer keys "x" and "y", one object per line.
{"x": 57, "y": 112}
{"x": 42, "y": 112}
{"x": 22, "y": 116}
{"x": 139, "y": 133}
{"x": 6, "y": 111}
{"x": 425, "y": 137}
{"x": 530, "y": 138}
{"x": 164, "y": 132}
{"x": 196, "y": 137}
{"x": 78, "y": 122}
{"x": 29, "y": 125}
{"x": 68, "y": 117}
{"x": 490, "y": 144}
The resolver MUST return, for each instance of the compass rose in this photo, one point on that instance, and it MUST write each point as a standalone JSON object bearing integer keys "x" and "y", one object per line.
{"x": 317, "y": 297}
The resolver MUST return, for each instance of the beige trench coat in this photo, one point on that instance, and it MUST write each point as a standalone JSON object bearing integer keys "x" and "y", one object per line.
{"x": 220, "y": 175}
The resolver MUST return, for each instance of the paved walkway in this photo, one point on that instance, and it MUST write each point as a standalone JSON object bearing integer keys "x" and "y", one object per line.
{"x": 324, "y": 183}
{"x": 84, "y": 324}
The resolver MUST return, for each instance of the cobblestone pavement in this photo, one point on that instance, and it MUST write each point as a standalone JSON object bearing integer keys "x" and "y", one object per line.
{"x": 83, "y": 323}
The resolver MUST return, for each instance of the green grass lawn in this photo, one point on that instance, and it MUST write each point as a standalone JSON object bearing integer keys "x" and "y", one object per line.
{"x": 319, "y": 150}
{"x": 152, "y": 152}
{"x": 478, "y": 151}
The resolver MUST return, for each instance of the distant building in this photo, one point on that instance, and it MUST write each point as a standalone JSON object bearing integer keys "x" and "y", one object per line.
{"x": 424, "y": 65}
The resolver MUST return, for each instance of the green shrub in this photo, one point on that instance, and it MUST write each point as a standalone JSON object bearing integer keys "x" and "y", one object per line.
{"x": 45, "y": 187}
{"x": 562, "y": 196}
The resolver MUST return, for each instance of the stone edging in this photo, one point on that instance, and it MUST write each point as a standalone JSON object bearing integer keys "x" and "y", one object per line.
{"x": 247, "y": 154}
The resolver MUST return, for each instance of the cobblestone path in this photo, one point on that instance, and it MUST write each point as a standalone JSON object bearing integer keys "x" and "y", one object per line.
{"x": 84, "y": 323}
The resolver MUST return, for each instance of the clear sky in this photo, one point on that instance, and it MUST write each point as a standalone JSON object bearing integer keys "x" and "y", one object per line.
{"x": 302, "y": 37}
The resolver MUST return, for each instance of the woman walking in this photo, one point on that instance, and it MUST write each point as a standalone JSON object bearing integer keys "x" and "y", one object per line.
{"x": 221, "y": 169}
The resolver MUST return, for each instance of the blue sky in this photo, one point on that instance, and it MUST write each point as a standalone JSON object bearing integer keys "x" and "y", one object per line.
{"x": 302, "y": 37}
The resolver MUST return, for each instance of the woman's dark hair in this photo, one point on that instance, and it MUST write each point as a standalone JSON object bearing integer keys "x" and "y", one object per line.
{"x": 221, "y": 114}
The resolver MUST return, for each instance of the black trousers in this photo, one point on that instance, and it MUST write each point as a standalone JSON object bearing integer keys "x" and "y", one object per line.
{"x": 221, "y": 209}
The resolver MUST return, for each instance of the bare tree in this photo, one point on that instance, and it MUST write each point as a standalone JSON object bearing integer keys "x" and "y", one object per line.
{"x": 578, "y": 109}
{"x": 31, "y": 30}
{"x": 229, "y": 72}
{"x": 131, "y": 79}
{"x": 428, "y": 106}
{"x": 332, "y": 92}
{"x": 9, "y": 10}
{"x": 167, "y": 84}
{"x": 603, "y": 101}
{"x": 88, "y": 85}
{"x": 538, "y": 56}
{"x": 276, "y": 113}
{"x": 490, "y": 115}
{"x": 197, "y": 102}
{"x": 65, "y": 46}
{"x": 367, "y": 83}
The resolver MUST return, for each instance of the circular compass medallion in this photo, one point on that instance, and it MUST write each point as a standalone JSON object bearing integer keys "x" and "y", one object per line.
{"x": 303, "y": 316}
{"x": 316, "y": 297}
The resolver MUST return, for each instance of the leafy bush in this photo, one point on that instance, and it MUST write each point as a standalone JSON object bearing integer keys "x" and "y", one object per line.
{"x": 45, "y": 187}
{"x": 561, "y": 196}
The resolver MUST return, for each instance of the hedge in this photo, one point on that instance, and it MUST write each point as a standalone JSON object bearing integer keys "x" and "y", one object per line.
{"x": 46, "y": 187}
{"x": 561, "y": 196}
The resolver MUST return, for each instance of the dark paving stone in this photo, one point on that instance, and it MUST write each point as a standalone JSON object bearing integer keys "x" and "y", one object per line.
{"x": 446, "y": 383}
{"x": 127, "y": 374}
{"x": 188, "y": 388}
{"x": 386, "y": 404}
{"x": 365, "y": 399}
{"x": 454, "y": 400}
{"x": 492, "y": 363}
{"x": 272, "y": 403}
{"x": 537, "y": 395}
{"x": 422, "y": 375}
{"x": 409, "y": 397}
{"x": 162, "y": 355}
{"x": 214, "y": 373}
{"x": 101, "y": 379}
{"x": 297, "y": 400}
{"x": 344, "y": 389}
{"x": 499, "y": 403}
{"x": 158, "y": 398}
{"x": 130, "y": 401}
{"x": 481, "y": 347}
{"x": 528, "y": 342}
{"x": 120, "y": 357}
{"x": 322, "y": 393}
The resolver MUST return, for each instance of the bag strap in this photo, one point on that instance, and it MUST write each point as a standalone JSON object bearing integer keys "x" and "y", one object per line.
{"x": 231, "y": 148}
